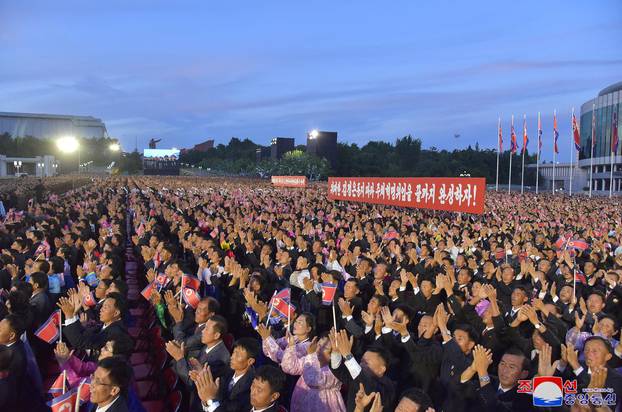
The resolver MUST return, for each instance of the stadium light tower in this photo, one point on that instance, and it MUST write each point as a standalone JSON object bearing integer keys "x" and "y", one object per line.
{"x": 69, "y": 144}
{"x": 114, "y": 147}
{"x": 313, "y": 134}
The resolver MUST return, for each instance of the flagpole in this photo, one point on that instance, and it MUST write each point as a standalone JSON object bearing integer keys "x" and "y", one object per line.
{"x": 554, "y": 151}
{"x": 64, "y": 381}
{"x": 498, "y": 154}
{"x": 538, "y": 154}
{"x": 77, "y": 406}
{"x": 522, "y": 172}
{"x": 611, "y": 177}
{"x": 571, "y": 150}
{"x": 60, "y": 327}
{"x": 271, "y": 307}
{"x": 592, "y": 149}
{"x": 334, "y": 317}
{"x": 511, "y": 153}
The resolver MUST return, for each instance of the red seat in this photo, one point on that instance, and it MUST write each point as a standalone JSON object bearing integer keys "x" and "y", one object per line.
{"x": 139, "y": 357}
{"x": 170, "y": 379}
{"x": 143, "y": 371}
{"x": 147, "y": 390}
{"x": 172, "y": 404}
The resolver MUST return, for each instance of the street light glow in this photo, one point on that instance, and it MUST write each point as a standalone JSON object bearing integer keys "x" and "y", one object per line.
{"x": 67, "y": 144}
{"x": 313, "y": 134}
{"x": 114, "y": 147}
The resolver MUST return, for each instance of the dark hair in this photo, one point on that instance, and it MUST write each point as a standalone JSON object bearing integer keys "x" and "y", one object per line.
{"x": 383, "y": 353}
{"x": 44, "y": 266}
{"x": 16, "y": 323}
{"x": 382, "y": 299}
{"x": 611, "y": 318}
{"x": 310, "y": 320}
{"x": 41, "y": 279}
{"x": 597, "y": 292}
{"x": 604, "y": 341}
{"x": 468, "y": 329}
{"x": 220, "y": 324}
{"x": 212, "y": 304}
{"x": 517, "y": 352}
{"x": 119, "y": 372}
{"x": 58, "y": 264}
{"x": 119, "y": 302}
{"x": 123, "y": 344}
{"x": 250, "y": 345}
{"x": 273, "y": 376}
{"x": 419, "y": 397}
{"x": 121, "y": 285}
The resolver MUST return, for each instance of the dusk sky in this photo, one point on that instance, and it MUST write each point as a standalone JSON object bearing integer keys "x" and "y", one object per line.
{"x": 186, "y": 71}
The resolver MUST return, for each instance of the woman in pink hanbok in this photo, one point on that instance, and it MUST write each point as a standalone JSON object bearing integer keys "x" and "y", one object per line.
{"x": 302, "y": 329}
{"x": 317, "y": 388}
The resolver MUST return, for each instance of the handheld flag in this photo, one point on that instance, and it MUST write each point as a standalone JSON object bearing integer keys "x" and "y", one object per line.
{"x": 190, "y": 282}
{"x": 283, "y": 307}
{"x": 162, "y": 280}
{"x": 57, "y": 387}
{"x": 48, "y": 332}
{"x": 391, "y": 234}
{"x": 575, "y": 133}
{"x": 191, "y": 297}
{"x": 65, "y": 402}
{"x": 148, "y": 290}
{"x": 89, "y": 300}
{"x": 328, "y": 293}
{"x": 578, "y": 244}
{"x": 91, "y": 280}
{"x": 84, "y": 391}
{"x": 580, "y": 277}
{"x": 284, "y": 294}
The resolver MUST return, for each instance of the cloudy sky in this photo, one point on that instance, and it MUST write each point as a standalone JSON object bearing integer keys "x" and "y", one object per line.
{"x": 186, "y": 71}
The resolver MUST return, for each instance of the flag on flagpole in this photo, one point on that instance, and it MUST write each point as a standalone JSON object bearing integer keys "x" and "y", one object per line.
{"x": 614, "y": 133}
{"x": 190, "y": 282}
{"x": 575, "y": 133}
{"x": 191, "y": 297}
{"x": 513, "y": 144}
{"x": 539, "y": 135}
{"x": 148, "y": 290}
{"x": 89, "y": 300}
{"x": 580, "y": 277}
{"x": 57, "y": 387}
{"x": 162, "y": 280}
{"x": 49, "y": 332}
{"x": 577, "y": 244}
{"x": 253, "y": 317}
{"x": 525, "y": 137}
{"x": 328, "y": 293}
{"x": 500, "y": 138}
{"x": 65, "y": 402}
{"x": 84, "y": 392}
{"x": 283, "y": 307}
{"x": 555, "y": 134}
{"x": 284, "y": 294}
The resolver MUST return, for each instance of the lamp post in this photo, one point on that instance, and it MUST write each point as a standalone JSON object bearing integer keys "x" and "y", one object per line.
{"x": 18, "y": 165}
{"x": 41, "y": 166}
{"x": 55, "y": 168}
{"x": 69, "y": 144}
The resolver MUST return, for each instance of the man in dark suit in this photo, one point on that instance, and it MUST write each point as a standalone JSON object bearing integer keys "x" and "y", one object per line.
{"x": 214, "y": 354}
{"x": 93, "y": 339}
{"x": 190, "y": 335}
{"x": 40, "y": 301}
{"x": 110, "y": 384}
{"x": 499, "y": 393}
{"x": 11, "y": 328}
{"x": 8, "y": 383}
{"x": 370, "y": 372}
{"x": 231, "y": 393}
{"x": 266, "y": 389}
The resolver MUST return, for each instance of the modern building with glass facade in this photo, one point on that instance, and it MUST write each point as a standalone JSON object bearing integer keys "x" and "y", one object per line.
{"x": 50, "y": 126}
{"x": 608, "y": 102}
{"x": 603, "y": 106}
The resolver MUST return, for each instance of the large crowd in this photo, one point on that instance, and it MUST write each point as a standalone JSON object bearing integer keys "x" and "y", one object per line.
{"x": 171, "y": 294}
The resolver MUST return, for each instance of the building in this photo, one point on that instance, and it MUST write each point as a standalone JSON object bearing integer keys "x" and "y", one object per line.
{"x": 205, "y": 146}
{"x": 39, "y": 166}
{"x": 323, "y": 144}
{"x": 280, "y": 146}
{"x": 263, "y": 153}
{"x": 51, "y": 126}
{"x": 603, "y": 106}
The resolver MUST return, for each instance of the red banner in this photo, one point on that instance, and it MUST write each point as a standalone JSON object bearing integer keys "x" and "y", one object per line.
{"x": 289, "y": 181}
{"x": 457, "y": 194}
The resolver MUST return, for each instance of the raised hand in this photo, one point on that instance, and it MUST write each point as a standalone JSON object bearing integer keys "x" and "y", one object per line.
{"x": 387, "y": 317}
{"x": 175, "y": 349}
{"x": 207, "y": 387}
{"x": 579, "y": 321}
{"x": 545, "y": 367}
{"x": 66, "y": 305}
{"x": 62, "y": 353}
{"x": 367, "y": 318}
{"x": 344, "y": 306}
{"x": 312, "y": 348}
{"x": 344, "y": 344}
{"x": 362, "y": 400}
{"x": 264, "y": 331}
